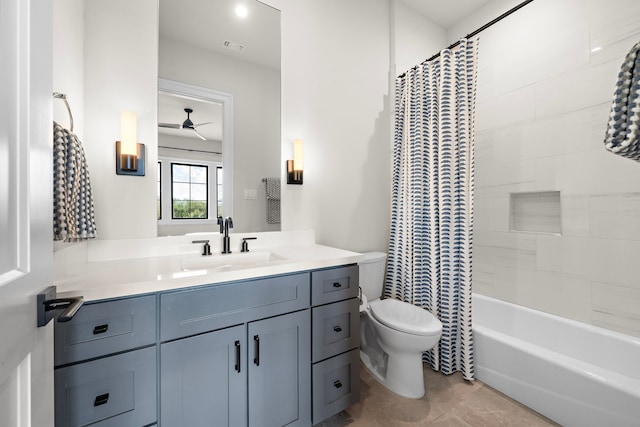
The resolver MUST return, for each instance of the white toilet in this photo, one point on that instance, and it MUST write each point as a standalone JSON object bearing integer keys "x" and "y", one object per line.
{"x": 393, "y": 334}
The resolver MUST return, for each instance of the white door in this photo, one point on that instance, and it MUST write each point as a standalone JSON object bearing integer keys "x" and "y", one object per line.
{"x": 26, "y": 351}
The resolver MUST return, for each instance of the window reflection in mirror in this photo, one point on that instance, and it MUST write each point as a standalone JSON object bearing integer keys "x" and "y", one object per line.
{"x": 190, "y": 164}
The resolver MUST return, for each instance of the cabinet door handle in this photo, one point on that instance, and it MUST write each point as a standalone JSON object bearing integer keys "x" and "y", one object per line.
{"x": 46, "y": 303}
{"x": 237, "y": 356}
{"x": 337, "y": 284}
{"x": 256, "y": 342}
{"x": 337, "y": 328}
{"x": 337, "y": 384}
{"x": 101, "y": 329}
{"x": 101, "y": 400}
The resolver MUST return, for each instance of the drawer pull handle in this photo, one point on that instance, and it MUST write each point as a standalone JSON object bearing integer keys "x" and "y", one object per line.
{"x": 101, "y": 400}
{"x": 256, "y": 341}
{"x": 337, "y": 284}
{"x": 237, "y": 356}
{"x": 337, "y": 328}
{"x": 100, "y": 329}
{"x": 337, "y": 384}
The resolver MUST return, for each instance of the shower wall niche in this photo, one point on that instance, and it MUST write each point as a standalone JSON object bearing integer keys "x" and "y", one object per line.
{"x": 535, "y": 212}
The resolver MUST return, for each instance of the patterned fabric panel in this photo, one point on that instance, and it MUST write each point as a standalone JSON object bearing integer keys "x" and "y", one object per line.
{"x": 430, "y": 245}
{"x": 73, "y": 213}
{"x": 273, "y": 211}
{"x": 623, "y": 132}
{"x": 273, "y": 200}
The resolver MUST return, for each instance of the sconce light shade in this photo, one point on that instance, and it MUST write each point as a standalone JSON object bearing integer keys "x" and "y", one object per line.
{"x": 129, "y": 154}
{"x": 295, "y": 167}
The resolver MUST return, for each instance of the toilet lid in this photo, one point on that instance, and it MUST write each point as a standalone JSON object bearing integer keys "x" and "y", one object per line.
{"x": 405, "y": 317}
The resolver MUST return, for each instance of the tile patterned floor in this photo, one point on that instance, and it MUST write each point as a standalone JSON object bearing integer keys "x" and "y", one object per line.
{"x": 449, "y": 402}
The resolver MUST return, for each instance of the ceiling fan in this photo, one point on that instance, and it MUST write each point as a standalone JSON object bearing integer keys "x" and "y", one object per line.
{"x": 187, "y": 124}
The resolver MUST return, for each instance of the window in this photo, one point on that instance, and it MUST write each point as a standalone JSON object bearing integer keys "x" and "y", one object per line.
{"x": 188, "y": 190}
{"x": 189, "y": 185}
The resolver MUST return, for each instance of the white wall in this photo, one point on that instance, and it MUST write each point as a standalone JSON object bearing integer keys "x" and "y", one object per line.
{"x": 544, "y": 95}
{"x": 483, "y": 15}
{"x": 415, "y": 38}
{"x": 120, "y": 53}
{"x": 68, "y": 62}
{"x": 256, "y": 99}
{"x": 335, "y": 65}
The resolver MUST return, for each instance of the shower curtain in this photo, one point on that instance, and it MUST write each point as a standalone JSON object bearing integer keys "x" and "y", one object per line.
{"x": 430, "y": 245}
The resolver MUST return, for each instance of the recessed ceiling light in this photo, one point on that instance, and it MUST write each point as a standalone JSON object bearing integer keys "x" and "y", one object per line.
{"x": 242, "y": 11}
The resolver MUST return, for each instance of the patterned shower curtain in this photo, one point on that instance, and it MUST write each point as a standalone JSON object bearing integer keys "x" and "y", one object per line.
{"x": 429, "y": 262}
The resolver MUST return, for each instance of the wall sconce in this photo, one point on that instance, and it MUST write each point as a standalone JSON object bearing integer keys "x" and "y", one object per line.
{"x": 129, "y": 154}
{"x": 295, "y": 167}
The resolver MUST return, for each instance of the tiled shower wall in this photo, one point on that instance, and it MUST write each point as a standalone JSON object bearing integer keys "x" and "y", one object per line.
{"x": 545, "y": 84}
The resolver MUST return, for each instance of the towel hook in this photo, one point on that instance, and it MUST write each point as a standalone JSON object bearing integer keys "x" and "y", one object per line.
{"x": 62, "y": 96}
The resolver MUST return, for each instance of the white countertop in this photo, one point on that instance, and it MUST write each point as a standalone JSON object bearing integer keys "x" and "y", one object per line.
{"x": 116, "y": 278}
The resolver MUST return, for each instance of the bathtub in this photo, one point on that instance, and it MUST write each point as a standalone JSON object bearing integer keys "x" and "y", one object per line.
{"x": 573, "y": 373}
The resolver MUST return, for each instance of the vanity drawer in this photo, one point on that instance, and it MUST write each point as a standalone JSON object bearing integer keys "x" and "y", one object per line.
{"x": 195, "y": 311}
{"x": 113, "y": 391}
{"x": 335, "y": 328}
{"x": 336, "y": 384}
{"x": 334, "y": 284}
{"x": 105, "y": 328}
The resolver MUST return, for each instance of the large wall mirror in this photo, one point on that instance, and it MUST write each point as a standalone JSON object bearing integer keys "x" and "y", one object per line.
{"x": 113, "y": 56}
{"x": 231, "y": 49}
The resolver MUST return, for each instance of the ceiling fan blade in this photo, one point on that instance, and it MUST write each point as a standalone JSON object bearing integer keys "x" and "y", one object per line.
{"x": 170, "y": 125}
{"x": 202, "y": 124}
{"x": 199, "y": 134}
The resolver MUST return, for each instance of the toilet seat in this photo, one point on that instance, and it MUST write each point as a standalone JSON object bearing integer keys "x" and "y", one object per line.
{"x": 405, "y": 317}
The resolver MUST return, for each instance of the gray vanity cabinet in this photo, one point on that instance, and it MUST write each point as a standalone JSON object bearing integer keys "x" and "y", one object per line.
{"x": 270, "y": 351}
{"x": 336, "y": 337}
{"x": 279, "y": 375}
{"x": 203, "y": 380}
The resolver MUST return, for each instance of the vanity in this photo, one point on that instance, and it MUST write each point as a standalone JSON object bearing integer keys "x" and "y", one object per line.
{"x": 268, "y": 341}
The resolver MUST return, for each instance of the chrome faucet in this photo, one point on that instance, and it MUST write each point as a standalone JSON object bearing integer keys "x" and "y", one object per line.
{"x": 225, "y": 225}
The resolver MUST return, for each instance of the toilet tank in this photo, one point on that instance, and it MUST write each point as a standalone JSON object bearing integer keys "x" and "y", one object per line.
{"x": 372, "y": 274}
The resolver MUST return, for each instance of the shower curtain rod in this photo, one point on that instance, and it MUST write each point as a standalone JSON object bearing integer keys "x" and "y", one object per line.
{"x": 476, "y": 32}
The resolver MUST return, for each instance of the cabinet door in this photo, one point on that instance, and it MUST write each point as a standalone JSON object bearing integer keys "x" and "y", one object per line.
{"x": 280, "y": 371}
{"x": 203, "y": 380}
{"x": 113, "y": 391}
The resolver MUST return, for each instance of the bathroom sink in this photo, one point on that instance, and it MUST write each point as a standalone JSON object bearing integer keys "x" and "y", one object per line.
{"x": 229, "y": 261}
